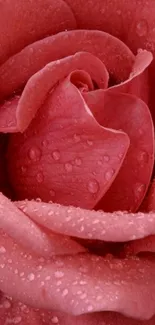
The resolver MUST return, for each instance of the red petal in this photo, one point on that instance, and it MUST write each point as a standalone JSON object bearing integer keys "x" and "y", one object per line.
{"x": 137, "y": 84}
{"x": 130, "y": 21}
{"x": 149, "y": 202}
{"x": 90, "y": 224}
{"x": 15, "y": 72}
{"x": 70, "y": 147}
{"x": 130, "y": 114}
{"x": 17, "y": 313}
{"x": 114, "y": 285}
{"x": 17, "y": 118}
{"x": 26, "y": 233}
{"x": 142, "y": 245}
{"x": 30, "y": 21}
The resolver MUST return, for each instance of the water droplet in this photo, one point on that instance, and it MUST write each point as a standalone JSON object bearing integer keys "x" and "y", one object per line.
{"x": 109, "y": 174}
{"x": 55, "y": 320}
{"x": 6, "y": 304}
{"x": 38, "y": 199}
{"x": 31, "y": 277}
{"x": 34, "y": 154}
{"x": 106, "y": 158}
{"x": 68, "y": 167}
{"x": 89, "y": 142}
{"x": 23, "y": 169}
{"x": 52, "y": 193}
{"x": 45, "y": 143}
{"x": 40, "y": 177}
{"x": 48, "y": 278}
{"x": 93, "y": 186}
{"x": 31, "y": 49}
{"x": 139, "y": 190}
{"x": 143, "y": 157}
{"x": 59, "y": 274}
{"x": 77, "y": 138}
{"x": 78, "y": 161}
{"x": 142, "y": 28}
{"x": 56, "y": 155}
{"x": 65, "y": 292}
{"x": 100, "y": 162}
{"x": 2, "y": 250}
{"x": 90, "y": 308}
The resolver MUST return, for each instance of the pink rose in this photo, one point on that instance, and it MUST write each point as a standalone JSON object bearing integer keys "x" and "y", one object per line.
{"x": 76, "y": 162}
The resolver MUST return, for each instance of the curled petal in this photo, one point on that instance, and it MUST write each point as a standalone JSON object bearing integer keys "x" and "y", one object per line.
{"x": 106, "y": 284}
{"x": 30, "y": 236}
{"x": 17, "y": 114}
{"x": 90, "y": 224}
{"x": 70, "y": 147}
{"x": 138, "y": 83}
{"x": 116, "y": 56}
{"x": 18, "y": 312}
{"x": 131, "y": 21}
{"x": 130, "y": 114}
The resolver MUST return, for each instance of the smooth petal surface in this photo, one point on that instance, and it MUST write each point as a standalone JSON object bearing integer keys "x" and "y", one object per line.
{"x": 117, "y": 57}
{"x": 68, "y": 146}
{"x": 90, "y": 224}
{"x": 30, "y": 21}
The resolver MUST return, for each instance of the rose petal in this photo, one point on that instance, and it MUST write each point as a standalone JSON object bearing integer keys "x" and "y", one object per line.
{"x": 149, "y": 202}
{"x": 15, "y": 118}
{"x": 90, "y": 224}
{"x": 16, "y": 312}
{"x": 138, "y": 83}
{"x": 131, "y": 21}
{"x": 70, "y": 145}
{"x": 15, "y": 72}
{"x": 12, "y": 312}
{"x": 140, "y": 246}
{"x": 30, "y": 21}
{"x": 30, "y": 236}
{"x": 108, "y": 284}
{"x": 130, "y": 114}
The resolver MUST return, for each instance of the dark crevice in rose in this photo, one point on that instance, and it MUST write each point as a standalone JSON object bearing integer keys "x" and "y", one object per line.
{"x": 102, "y": 248}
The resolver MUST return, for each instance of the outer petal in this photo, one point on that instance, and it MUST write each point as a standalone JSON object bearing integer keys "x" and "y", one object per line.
{"x": 15, "y": 72}
{"x": 88, "y": 283}
{"x": 90, "y": 224}
{"x": 149, "y": 202}
{"x": 12, "y": 312}
{"x": 30, "y": 21}
{"x": 69, "y": 146}
{"x": 128, "y": 113}
{"x": 30, "y": 236}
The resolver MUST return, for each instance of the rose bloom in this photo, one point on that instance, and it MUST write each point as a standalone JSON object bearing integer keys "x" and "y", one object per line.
{"x": 77, "y": 189}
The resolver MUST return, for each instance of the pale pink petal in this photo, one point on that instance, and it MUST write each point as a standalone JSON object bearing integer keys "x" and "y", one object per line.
{"x": 90, "y": 224}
